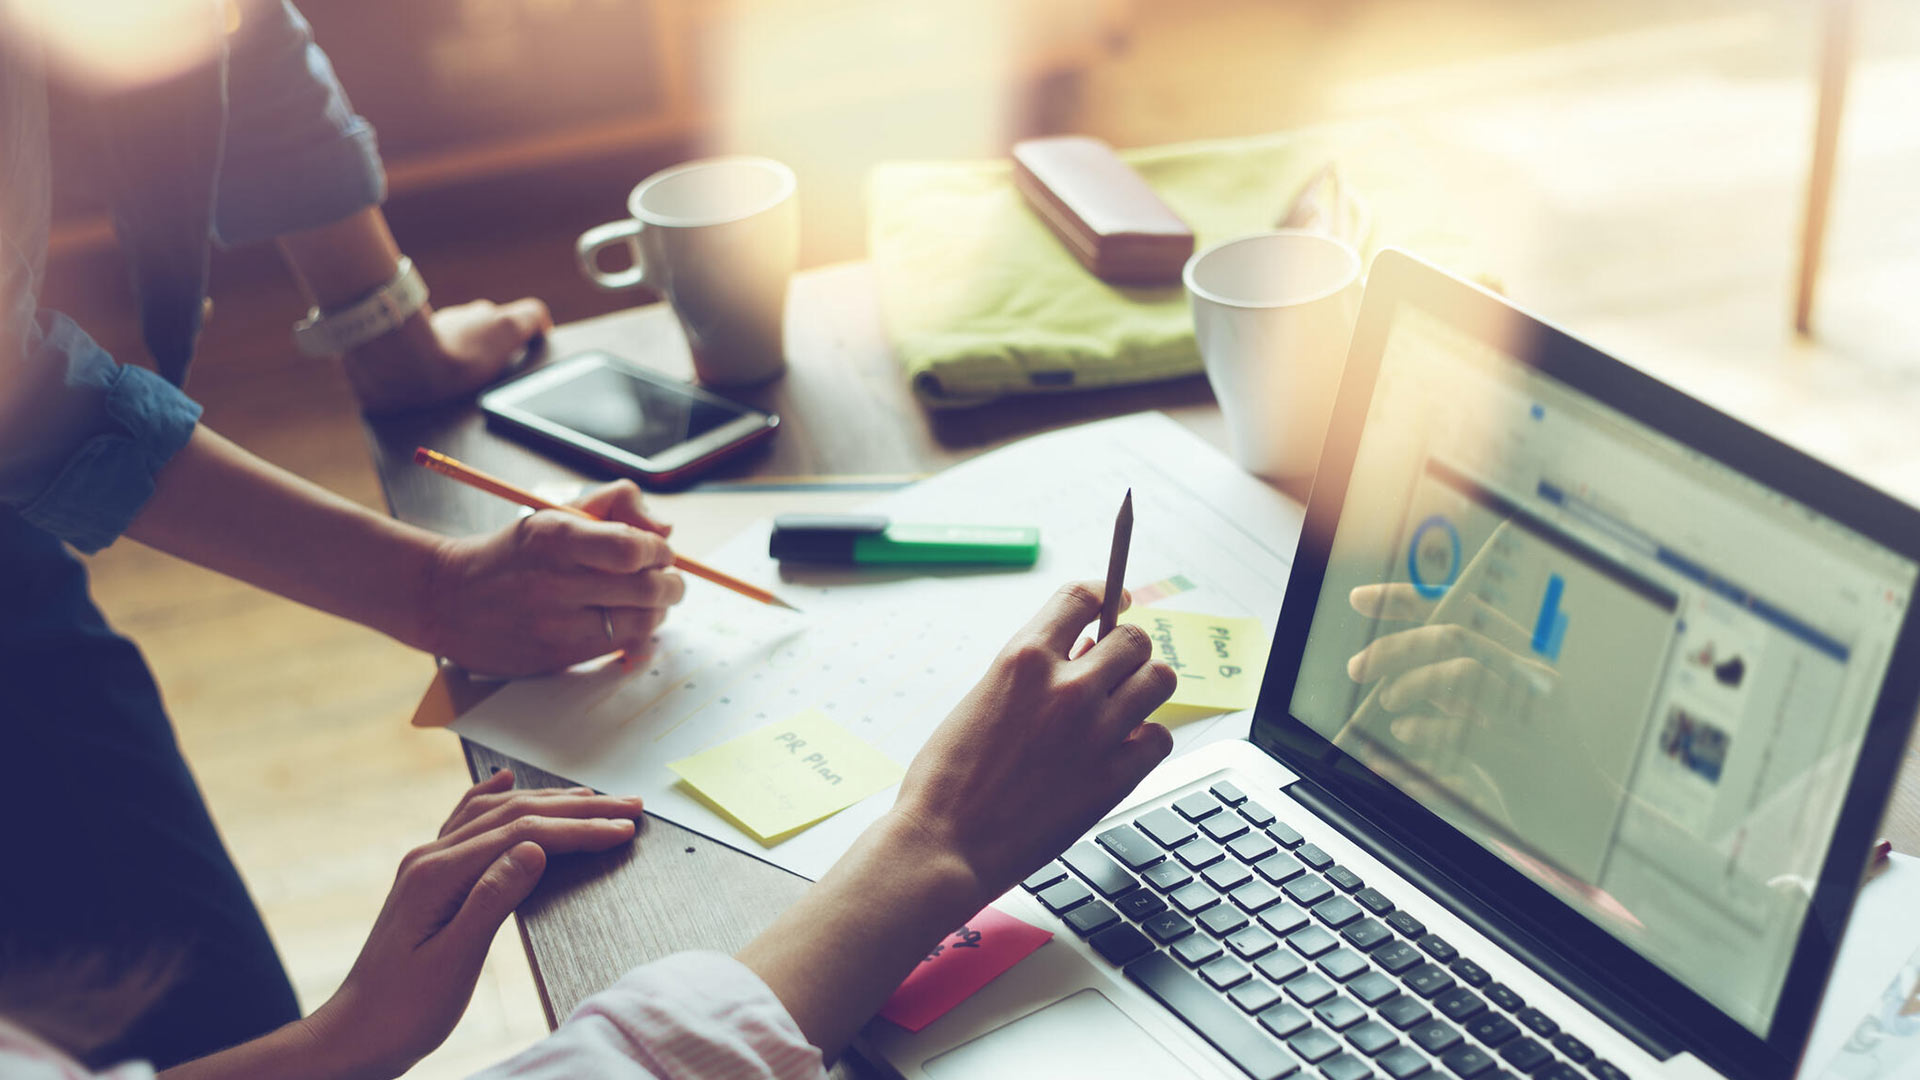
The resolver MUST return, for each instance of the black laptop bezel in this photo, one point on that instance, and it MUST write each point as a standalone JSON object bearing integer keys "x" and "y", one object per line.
{"x": 1589, "y": 961}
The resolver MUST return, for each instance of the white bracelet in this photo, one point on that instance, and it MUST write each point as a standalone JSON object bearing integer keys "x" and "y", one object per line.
{"x": 381, "y": 312}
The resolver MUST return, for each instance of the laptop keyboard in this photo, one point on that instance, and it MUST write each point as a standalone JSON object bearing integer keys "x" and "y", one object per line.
{"x": 1287, "y": 961}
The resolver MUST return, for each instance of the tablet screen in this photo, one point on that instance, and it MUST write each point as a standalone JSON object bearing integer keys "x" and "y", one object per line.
{"x": 639, "y": 416}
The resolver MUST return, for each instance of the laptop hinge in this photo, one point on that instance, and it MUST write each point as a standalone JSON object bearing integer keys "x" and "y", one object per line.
{"x": 1648, "y": 1034}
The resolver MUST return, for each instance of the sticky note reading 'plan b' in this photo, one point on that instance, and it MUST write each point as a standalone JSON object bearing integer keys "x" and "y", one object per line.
{"x": 1220, "y": 661}
{"x": 781, "y": 778}
{"x": 963, "y": 962}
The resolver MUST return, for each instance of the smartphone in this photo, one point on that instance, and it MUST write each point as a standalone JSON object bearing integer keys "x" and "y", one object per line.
{"x": 658, "y": 430}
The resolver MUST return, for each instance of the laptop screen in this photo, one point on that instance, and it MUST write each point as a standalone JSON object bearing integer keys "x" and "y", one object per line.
{"x": 1634, "y": 674}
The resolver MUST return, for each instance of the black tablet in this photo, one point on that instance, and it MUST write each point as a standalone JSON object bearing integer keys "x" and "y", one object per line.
{"x": 635, "y": 421}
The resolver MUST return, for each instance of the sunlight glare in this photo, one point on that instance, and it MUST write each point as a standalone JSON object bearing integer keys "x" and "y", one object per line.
{"x": 108, "y": 46}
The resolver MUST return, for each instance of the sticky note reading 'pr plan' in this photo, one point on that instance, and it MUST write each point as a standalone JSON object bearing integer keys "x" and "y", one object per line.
{"x": 1220, "y": 661}
{"x": 963, "y": 962}
{"x": 781, "y": 778}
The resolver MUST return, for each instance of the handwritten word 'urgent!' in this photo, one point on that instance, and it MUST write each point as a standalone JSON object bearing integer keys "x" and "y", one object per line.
{"x": 1219, "y": 637}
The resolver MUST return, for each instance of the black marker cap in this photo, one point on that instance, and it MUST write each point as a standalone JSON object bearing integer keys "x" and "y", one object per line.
{"x": 821, "y": 538}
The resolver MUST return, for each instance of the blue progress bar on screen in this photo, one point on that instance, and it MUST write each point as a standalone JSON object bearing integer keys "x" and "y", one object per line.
{"x": 1550, "y": 629}
{"x": 1696, "y": 572}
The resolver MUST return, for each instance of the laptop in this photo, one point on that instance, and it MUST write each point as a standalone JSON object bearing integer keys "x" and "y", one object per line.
{"x": 1583, "y": 706}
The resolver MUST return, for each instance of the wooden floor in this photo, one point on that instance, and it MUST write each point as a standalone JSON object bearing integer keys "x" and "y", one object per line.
{"x": 1643, "y": 170}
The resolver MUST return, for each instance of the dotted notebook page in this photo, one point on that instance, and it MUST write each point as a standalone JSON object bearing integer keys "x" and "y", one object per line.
{"x": 887, "y": 653}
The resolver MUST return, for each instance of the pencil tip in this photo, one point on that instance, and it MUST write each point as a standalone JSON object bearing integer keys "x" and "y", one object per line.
{"x": 788, "y": 606}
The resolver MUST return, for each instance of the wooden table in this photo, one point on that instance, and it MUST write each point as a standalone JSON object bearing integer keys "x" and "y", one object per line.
{"x": 845, "y": 410}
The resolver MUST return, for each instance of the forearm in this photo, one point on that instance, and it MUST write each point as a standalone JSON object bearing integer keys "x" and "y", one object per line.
{"x": 219, "y": 506}
{"x": 293, "y": 1052}
{"x": 338, "y": 263}
{"x": 343, "y": 262}
{"x": 1045, "y": 744}
{"x": 837, "y": 954}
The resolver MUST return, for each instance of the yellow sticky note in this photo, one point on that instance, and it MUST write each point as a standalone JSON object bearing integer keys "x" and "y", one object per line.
{"x": 779, "y": 779}
{"x": 1220, "y": 660}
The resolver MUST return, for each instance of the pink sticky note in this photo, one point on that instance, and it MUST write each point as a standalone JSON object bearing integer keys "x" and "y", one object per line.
{"x": 963, "y": 962}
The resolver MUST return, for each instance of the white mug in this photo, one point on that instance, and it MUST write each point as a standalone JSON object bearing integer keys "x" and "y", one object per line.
{"x": 720, "y": 238}
{"x": 1273, "y": 315}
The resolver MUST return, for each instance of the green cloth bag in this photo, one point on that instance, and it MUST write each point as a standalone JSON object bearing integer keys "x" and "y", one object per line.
{"x": 979, "y": 300}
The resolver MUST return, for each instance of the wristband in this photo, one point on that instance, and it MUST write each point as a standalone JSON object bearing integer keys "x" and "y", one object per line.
{"x": 379, "y": 313}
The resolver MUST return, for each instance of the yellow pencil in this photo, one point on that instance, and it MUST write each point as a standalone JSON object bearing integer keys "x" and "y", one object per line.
{"x": 474, "y": 478}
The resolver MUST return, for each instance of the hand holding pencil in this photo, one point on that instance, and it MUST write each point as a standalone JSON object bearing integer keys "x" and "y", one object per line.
{"x": 556, "y": 588}
{"x": 607, "y": 560}
{"x": 493, "y": 485}
{"x": 550, "y": 590}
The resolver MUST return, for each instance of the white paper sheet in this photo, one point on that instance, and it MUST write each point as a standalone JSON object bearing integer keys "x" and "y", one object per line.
{"x": 1882, "y": 933}
{"x": 888, "y": 654}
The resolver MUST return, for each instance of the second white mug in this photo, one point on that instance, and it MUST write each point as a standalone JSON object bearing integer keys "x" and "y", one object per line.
{"x": 1273, "y": 315}
{"x": 720, "y": 238}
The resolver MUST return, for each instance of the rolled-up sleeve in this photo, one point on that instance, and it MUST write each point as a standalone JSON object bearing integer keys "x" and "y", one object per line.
{"x": 296, "y": 156}
{"x": 83, "y": 437}
{"x": 692, "y": 1016}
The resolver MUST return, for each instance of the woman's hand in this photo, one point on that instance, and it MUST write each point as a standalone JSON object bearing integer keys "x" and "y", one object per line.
{"x": 552, "y": 589}
{"x": 1052, "y": 737}
{"x": 433, "y": 356}
{"x": 415, "y": 975}
{"x": 441, "y": 355}
{"x": 1046, "y": 743}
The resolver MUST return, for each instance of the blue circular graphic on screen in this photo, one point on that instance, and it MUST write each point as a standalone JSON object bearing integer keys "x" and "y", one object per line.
{"x": 1433, "y": 590}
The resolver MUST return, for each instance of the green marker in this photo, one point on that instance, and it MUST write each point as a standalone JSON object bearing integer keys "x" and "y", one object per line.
{"x": 872, "y": 540}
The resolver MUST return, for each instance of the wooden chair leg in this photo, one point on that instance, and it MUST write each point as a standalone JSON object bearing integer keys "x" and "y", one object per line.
{"x": 1836, "y": 58}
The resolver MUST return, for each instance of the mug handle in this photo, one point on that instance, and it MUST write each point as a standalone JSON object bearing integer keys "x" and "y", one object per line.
{"x": 587, "y": 250}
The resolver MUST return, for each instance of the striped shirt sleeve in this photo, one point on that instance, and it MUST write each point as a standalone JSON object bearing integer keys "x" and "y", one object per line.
{"x": 692, "y": 1016}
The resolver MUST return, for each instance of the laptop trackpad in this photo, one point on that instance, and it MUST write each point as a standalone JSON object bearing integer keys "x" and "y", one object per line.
{"x": 1081, "y": 1035}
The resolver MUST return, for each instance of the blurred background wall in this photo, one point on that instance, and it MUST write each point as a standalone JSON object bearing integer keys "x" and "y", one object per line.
{"x": 510, "y": 116}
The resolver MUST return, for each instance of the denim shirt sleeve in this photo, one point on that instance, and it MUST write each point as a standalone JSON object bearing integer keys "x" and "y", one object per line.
{"x": 81, "y": 438}
{"x": 296, "y": 154}
{"x": 83, "y": 462}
